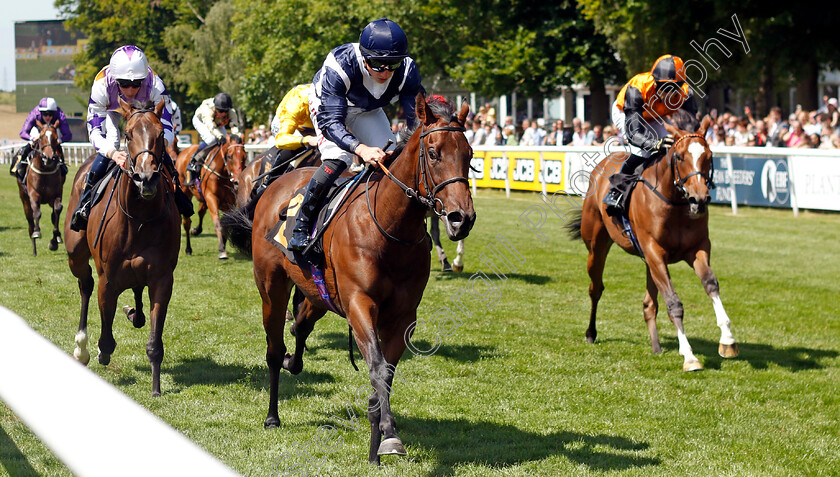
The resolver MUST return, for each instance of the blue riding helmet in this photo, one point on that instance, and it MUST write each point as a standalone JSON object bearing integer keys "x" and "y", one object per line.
{"x": 383, "y": 39}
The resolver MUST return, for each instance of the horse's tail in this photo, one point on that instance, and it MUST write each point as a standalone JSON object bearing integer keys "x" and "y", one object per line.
{"x": 573, "y": 226}
{"x": 238, "y": 226}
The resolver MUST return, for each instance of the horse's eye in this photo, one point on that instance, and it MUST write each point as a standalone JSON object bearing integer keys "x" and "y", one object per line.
{"x": 433, "y": 154}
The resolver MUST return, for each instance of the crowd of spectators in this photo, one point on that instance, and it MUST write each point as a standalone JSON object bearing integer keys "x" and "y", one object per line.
{"x": 260, "y": 135}
{"x": 802, "y": 129}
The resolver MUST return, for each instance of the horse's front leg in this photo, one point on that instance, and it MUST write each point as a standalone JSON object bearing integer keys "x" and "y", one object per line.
{"x": 662, "y": 278}
{"x": 362, "y": 315}
{"x": 275, "y": 289}
{"x": 80, "y": 267}
{"x": 458, "y": 263}
{"x": 108, "y": 295}
{"x": 202, "y": 209}
{"x": 434, "y": 232}
{"x": 727, "y": 347}
{"x": 56, "y": 219}
{"x": 135, "y": 315}
{"x": 213, "y": 207}
{"x": 305, "y": 318}
{"x": 187, "y": 223}
{"x": 36, "y": 219}
{"x": 651, "y": 308}
{"x": 160, "y": 292}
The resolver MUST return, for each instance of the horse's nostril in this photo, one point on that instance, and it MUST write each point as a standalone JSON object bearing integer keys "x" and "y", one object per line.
{"x": 455, "y": 217}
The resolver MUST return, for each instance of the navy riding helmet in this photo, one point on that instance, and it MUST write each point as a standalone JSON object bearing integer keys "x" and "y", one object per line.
{"x": 383, "y": 39}
{"x": 222, "y": 102}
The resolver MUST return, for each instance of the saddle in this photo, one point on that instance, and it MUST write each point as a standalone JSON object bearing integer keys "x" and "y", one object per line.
{"x": 100, "y": 188}
{"x": 281, "y": 233}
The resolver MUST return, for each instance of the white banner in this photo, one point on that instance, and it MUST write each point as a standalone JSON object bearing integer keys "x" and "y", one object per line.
{"x": 816, "y": 181}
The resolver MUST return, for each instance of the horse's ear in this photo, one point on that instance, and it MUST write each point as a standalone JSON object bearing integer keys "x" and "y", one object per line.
{"x": 422, "y": 110}
{"x": 39, "y": 124}
{"x": 125, "y": 108}
{"x": 465, "y": 110}
{"x": 159, "y": 108}
{"x": 677, "y": 133}
{"x": 55, "y": 124}
{"x": 704, "y": 125}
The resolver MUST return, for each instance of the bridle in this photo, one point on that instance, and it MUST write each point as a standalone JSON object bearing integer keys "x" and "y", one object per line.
{"x": 679, "y": 183}
{"x": 225, "y": 159}
{"x": 429, "y": 201}
{"x": 133, "y": 159}
{"x": 40, "y": 150}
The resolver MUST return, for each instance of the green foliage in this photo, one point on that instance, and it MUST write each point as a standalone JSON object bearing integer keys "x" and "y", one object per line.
{"x": 535, "y": 48}
{"x": 201, "y": 57}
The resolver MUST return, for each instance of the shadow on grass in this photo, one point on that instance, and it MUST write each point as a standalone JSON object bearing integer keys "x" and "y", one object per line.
{"x": 203, "y": 370}
{"x": 462, "y": 353}
{"x": 459, "y": 442}
{"x": 529, "y": 278}
{"x": 12, "y": 459}
{"x": 760, "y": 356}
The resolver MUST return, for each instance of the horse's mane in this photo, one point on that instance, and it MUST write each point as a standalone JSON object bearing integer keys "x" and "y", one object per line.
{"x": 440, "y": 108}
{"x": 148, "y": 104}
{"x": 684, "y": 120}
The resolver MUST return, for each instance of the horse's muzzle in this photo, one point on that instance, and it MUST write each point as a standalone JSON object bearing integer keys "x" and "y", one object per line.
{"x": 698, "y": 208}
{"x": 458, "y": 224}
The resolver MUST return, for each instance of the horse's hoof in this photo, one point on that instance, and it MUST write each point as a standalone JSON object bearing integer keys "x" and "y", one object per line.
{"x": 457, "y": 268}
{"x": 58, "y": 240}
{"x": 155, "y": 393}
{"x": 104, "y": 359}
{"x": 692, "y": 365}
{"x": 271, "y": 422}
{"x": 195, "y": 232}
{"x": 289, "y": 316}
{"x": 81, "y": 356}
{"x": 188, "y": 251}
{"x": 36, "y": 234}
{"x": 53, "y": 245}
{"x": 728, "y": 351}
{"x": 136, "y": 319}
{"x": 223, "y": 256}
{"x": 292, "y": 367}
{"x": 445, "y": 266}
{"x": 391, "y": 446}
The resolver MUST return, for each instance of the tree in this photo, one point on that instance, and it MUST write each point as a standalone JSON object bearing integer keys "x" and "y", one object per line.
{"x": 538, "y": 49}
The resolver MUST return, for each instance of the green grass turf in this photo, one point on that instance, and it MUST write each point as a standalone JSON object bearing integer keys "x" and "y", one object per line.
{"x": 514, "y": 390}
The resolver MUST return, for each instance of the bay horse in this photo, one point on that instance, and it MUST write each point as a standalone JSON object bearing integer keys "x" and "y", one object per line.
{"x": 376, "y": 260}
{"x": 218, "y": 181}
{"x": 44, "y": 184}
{"x": 134, "y": 241}
{"x": 669, "y": 215}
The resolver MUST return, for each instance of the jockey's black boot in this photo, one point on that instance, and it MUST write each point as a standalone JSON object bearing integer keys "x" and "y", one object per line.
{"x": 80, "y": 215}
{"x": 620, "y": 184}
{"x": 315, "y": 192}
{"x": 197, "y": 161}
{"x": 185, "y": 206}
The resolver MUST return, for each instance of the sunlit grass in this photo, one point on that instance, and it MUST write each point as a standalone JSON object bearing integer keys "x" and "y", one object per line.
{"x": 514, "y": 390}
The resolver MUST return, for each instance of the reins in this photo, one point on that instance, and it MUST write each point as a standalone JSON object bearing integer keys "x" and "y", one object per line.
{"x": 679, "y": 183}
{"x": 430, "y": 201}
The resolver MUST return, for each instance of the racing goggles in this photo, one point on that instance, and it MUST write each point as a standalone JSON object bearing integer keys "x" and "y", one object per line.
{"x": 126, "y": 83}
{"x": 383, "y": 65}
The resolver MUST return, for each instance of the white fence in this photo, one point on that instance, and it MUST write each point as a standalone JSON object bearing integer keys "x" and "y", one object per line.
{"x": 764, "y": 176}
{"x": 57, "y": 398}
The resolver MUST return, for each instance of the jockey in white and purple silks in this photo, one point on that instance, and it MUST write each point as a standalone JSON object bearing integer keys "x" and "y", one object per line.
{"x": 127, "y": 76}
{"x": 47, "y": 111}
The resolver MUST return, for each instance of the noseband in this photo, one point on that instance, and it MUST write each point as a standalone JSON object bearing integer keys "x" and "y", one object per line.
{"x": 133, "y": 159}
{"x": 679, "y": 183}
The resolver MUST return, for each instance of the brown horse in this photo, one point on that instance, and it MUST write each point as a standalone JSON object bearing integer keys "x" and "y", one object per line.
{"x": 44, "y": 184}
{"x": 668, "y": 214}
{"x": 376, "y": 258}
{"x": 134, "y": 241}
{"x": 259, "y": 166}
{"x": 217, "y": 184}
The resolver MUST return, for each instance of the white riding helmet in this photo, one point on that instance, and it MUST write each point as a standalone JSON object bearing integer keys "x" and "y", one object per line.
{"x": 47, "y": 104}
{"x": 128, "y": 62}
